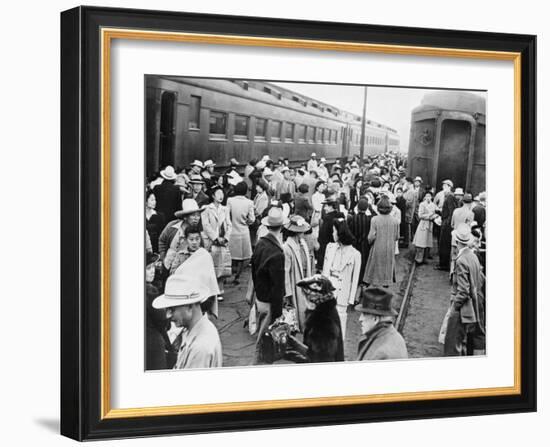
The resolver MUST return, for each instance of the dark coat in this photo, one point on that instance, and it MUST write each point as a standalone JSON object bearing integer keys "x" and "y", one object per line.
{"x": 323, "y": 334}
{"x": 325, "y": 235}
{"x": 268, "y": 273}
{"x": 449, "y": 205}
{"x": 382, "y": 342}
{"x": 168, "y": 197}
{"x": 154, "y": 227}
{"x": 303, "y": 206}
{"x": 359, "y": 226}
{"x": 156, "y": 338}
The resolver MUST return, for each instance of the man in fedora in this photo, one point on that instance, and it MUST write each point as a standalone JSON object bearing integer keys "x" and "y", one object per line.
{"x": 268, "y": 275}
{"x": 465, "y": 333}
{"x": 197, "y": 182}
{"x": 200, "y": 346}
{"x": 208, "y": 172}
{"x": 196, "y": 167}
{"x": 168, "y": 195}
{"x": 380, "y": 340}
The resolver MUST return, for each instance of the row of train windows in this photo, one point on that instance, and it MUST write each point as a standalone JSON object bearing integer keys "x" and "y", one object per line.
{"x": 218, "y": 127}
{"x": 369, "y": 139}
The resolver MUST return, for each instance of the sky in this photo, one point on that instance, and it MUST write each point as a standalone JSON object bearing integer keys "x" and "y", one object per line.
{"x": 391, "y": 106}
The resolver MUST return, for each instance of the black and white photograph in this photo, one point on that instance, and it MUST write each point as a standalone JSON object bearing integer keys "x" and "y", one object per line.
{"x": 291, "y": 223}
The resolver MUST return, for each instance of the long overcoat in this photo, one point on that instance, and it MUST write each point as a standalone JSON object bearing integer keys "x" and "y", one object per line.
{"x": 384, "y": 232}
{"x": 423, "y": 238}
{"x": 296, "y": 269}
{"x": 241, "y": 210}
{"x": 342, "y": 265}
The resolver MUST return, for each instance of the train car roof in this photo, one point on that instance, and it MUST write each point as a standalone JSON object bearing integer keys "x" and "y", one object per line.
{"x": 277, "y": 95}
{"x": 452, "y": 100}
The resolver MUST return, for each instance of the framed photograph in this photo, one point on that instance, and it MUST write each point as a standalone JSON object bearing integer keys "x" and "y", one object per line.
{"x": 272, "y": 223}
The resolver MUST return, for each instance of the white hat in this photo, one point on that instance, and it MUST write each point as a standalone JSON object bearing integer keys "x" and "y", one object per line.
{"x": 209, "y": 163}
{"x": 418, "y": 179}
{"x": 233, "y": 178}
{"x": 181, "y": 290}
{"x": 447, "y": 182}
{"x": 265, "y": 158}
{"x": 459, "y": 191}
{"x": 267, "y": 171}
{"x": 188, "y": 206}
{"x": 168, "y": 173}
{"x": 323, "y": 159}
{"x": 197, "y": 163}
{"x": 313, "y": 154}
{"x": 260, "y": 164}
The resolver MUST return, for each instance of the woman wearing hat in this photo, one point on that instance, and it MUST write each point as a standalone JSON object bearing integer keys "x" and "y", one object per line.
{"x": 297, "y": 264}
{"x": 342, "y": 265}
{"x": 167, "y": 194}
{"x": 423, "y": 237}
{"x": 241, "y": 210}
{"x": 322, "y": 330}
{"x": 217, "y": 227}
{"x": 384, "y": 232}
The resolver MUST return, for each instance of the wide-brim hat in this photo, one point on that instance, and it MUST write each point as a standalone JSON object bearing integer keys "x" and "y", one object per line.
{"x": 447, "y": 182}
{"x": 196, "y": 179}
{"x": 418, "y": 179}
{"x": 274, "y": 218}
{"x": 197, "y": 163}
{"x": 181, "y": 290}
{"x": 459, "y": 192}
{"x": 208, "y": 163}
{"x": 188, "y": 206}
{"x": 317, "y": 283}
{"x": 297, "y": 224}
{"x": 168, "y": 173}
{"x": 376, "y": 301}
{"x": 313, "y": 154}
{"x": 323, "y": 159}
{"x": 463, "y": 233}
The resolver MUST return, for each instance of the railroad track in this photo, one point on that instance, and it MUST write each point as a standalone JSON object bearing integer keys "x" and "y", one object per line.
{"x": 403, "y": 310}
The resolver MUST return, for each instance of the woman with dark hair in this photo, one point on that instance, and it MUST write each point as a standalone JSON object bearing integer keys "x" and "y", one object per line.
{"x": 342, "y": 265}
{"x": 384, "y": 232}
{"x": 302, "y": 203}
{"x": 355, "y": 194}
{"x": 241, "y": 210}
{"x": 359, "y": 225}
{"x": 154, "y": 221}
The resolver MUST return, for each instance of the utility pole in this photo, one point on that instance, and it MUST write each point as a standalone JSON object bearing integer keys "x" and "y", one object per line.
{"x": 363, "y": 127}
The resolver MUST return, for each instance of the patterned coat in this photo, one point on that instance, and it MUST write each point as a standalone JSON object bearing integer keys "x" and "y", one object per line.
{"x": 297, "y": 267}
{"x": 384, "y": 232}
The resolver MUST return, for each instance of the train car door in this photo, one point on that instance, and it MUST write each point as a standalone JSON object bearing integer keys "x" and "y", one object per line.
{"x": 453, "y": 153}
{"x": 167, "y": 129}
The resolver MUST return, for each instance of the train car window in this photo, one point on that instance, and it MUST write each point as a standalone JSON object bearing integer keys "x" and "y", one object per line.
{"x": 335, "y": 136}
{"x": 310, "y": 134}
{"x": 260, "y": 129}
{"x": 276, "y": 130}
{"x": 195, "y": 112}
{"x": 326, "y": 135}
{"x": 301, "y": 133}
{"x": 318, "y": 135}
{"x": 289, "y": 132}
{"x": 218, "y": 124}
{"x": 241, "y": 127}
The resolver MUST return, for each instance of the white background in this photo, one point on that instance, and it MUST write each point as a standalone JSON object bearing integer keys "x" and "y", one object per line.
{"x": 30, "y": 223}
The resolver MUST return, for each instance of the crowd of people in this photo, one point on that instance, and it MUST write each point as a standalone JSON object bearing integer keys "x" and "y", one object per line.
{"x": 320, "y": 240}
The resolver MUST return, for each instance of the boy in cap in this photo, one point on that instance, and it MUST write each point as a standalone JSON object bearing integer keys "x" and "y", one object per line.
{"x": 380, "y": 340}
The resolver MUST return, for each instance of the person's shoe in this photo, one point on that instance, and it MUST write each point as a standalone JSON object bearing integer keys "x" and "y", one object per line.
{"x": 220, "y": 297}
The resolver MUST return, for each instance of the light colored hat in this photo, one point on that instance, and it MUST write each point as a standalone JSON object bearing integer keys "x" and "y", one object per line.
{"x": 482, "y": 196}
{"x": 274, "y": 218}
{"x": 447, "y": 182}
{"x": 181, "y": 290}
{"x": 459, "y": 192}
{"x": 233, "y": 162}
{"x": 233, "y": 178}
{"x": 313, "y": 154}
{"x": 463, "y": 233}
{"x": 354, "y": 164}
{"x": 267, "y": 171}
{"x": 265, "y": 158}
{"x": 297, "y": 224}
{"x": 195, "y": 178}
{"x": 208, "y": 163}
{"x": 390, "y": 196}
{"x": 418, "y": 179}
{"x": 168, "y": 173}
{"x": 285, "y": 168}
{"x": 188, "y": 206}
{"x": 260, "y": 165}
{"x": 323, "y": 159}
{"x": 197, "y": 163}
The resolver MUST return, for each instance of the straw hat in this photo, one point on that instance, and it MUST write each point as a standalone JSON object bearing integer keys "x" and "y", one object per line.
{"x": 197, "y": 163}
{"x": 181, "y": 290}
{"x": 195, "y": 178}
{"x": 208, "y": 163}
{"x": 459, "y": 192}
{"x": 274, "y": 218}
{"x": 168, "y": 173}
{"x": 189, "y": 206}
{"x": 447, "y": 182}
{"x": 297, "y": 224}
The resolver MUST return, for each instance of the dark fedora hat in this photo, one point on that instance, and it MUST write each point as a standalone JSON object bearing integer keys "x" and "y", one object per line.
{"x": 376, "y": 301}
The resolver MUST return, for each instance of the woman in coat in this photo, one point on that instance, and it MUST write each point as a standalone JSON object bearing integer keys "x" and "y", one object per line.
{"x": 384, "y": 232}
{"x": 241, "y": 210}
{"x": 423, "y": 238}
{"x": 297, "y": 265}
{"x": 359, "y": 225}
{"x": 216, "y": 224}
{"x": 154, "y": 221}
{"x": 342, "y": 266}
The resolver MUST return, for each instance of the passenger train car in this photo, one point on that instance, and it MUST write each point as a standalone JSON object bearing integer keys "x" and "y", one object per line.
{"x": 191, "y": 118}
{"x": 447, "y": 140}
